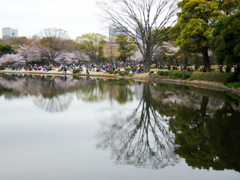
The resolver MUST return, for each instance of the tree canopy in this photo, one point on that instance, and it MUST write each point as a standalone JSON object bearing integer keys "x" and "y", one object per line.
{"x": 226, "y": 40}
{"x": 195, "y": 25}
{"x": 126, "y": 47}
{"x": 92, "y": 44}
{"x": 5, "y": 49}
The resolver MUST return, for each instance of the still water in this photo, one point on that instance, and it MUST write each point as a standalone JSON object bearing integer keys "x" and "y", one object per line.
{"x": 62, "y": 128}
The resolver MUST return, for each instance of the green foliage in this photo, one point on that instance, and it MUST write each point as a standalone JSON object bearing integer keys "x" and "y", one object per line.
{"x": 175, "y": 74}
{"x": 5, "y": 49}
{"x": 226, "y": 40}
{"x": 110, "y": 71}
{"x": 121, "y": 73}
{"x": 234, "y": 85}
{"x": 162, "y": 35}
{"x": 76, "y": 71}
{"x": 191, "y": 78}
{"x": 195, "y": 25}
{"x": 126, "y": 47}
{"x": 92, "y": 44}
{"x": 163, "y": 73}
{"x": 208, "y": 76}
{"x": 229, "y": 6}
{"x": 126, "y": 72}
{"x": 179, "y": 74}
{"x": 230, "y": 78}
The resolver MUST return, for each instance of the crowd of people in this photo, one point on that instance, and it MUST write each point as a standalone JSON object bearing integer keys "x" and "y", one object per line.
{"x": 106, "y": 67}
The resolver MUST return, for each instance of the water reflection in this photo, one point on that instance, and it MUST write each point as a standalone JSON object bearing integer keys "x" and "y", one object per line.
{"x": 168, "y": 122}
{"x": 208, "y": 140}
{"x": 206, "y": 126}
{"x": 55, "y": 94}
{"x": 142, "y": 139}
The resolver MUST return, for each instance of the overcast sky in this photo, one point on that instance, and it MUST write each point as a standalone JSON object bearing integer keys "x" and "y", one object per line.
{"x": 32, "y": 16}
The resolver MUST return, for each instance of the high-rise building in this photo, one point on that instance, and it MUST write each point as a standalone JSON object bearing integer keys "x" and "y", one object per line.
{"x": 115, "y": 32}
{"x": 9, "y": 32}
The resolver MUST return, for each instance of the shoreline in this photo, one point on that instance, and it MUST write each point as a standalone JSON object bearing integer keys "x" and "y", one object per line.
{"x": 137, "y": 77}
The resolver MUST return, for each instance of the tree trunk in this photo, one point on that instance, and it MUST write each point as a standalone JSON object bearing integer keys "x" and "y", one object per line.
{"x": 147, "y": 61}
{"x": 146, "y": 67}
{"x": 206, "y": 60}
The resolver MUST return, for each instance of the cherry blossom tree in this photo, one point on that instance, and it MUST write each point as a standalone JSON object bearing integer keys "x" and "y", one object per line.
{"x": 30, "y": 54}
{"x": 137, "y": 56}
{"x": 12, "y": 59}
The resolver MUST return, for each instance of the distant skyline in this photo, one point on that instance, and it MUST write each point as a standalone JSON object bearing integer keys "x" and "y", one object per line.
{"x": 30, "y": 17}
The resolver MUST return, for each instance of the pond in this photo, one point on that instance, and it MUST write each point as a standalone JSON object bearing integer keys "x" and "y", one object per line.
{"x": 88, "y": 128}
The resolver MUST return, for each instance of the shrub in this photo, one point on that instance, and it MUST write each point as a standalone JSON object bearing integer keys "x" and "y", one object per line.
{"x": 126, "y": 72}
{"x": 179, "y": 74}
{"x": 191, "y": 79}
{"x": 185, "y": 74}
{"x": 208, "y": 76}
{"x": 76, "y": 71}
{"x": 234, "y": 85}
{"x": 175, "y": 74}
{"x": 230, "y": 78}
{"x": 163, "y": 73}
{"x": 121, "y": 73}
{"x": 115, "y": 72}
{"x": 110, "y": 71}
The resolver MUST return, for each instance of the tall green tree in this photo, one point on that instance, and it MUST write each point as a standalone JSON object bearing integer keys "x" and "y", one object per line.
{"x": 126, "y": 47}
{"x": 195, "y": 24}
{"x": 225, "y": 42}
{"x": 229, "y": 6}
{"x": 92, "y": 45}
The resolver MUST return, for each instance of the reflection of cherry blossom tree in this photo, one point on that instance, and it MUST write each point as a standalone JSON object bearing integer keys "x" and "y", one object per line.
{"x": 142, "y": 139}
{"x": 51, "y": 93}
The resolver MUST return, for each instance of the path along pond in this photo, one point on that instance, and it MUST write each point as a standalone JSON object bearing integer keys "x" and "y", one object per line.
{"x": 89, "y": 128}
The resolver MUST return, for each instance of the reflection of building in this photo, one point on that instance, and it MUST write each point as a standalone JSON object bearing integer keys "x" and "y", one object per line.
{"x": 139, "y": 90}
{"x": 8, "y": 33}
{"x": 115, "y": 32}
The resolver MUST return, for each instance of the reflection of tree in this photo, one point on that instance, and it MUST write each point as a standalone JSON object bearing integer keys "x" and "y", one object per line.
{"x": 97, "y": 90}
{"x": 208, "y": 141}
{"x": 54, "y": 104}
{"x": 142, "y": 139}
{"x": 4, "y": 90}
{"x": 123, "y": 92}
{"x": 51, "y": 90}
{"x": 92, "y": 91}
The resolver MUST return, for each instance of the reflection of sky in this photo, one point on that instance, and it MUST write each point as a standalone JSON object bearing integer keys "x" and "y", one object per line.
{"x": 35, "y": 144}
